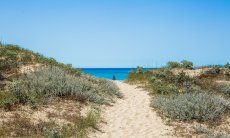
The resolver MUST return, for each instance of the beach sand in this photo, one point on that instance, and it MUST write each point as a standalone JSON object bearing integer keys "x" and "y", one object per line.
{"x": 131, "y": 117}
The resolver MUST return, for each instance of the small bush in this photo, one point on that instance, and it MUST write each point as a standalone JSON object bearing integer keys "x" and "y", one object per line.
{"x": 1, "y": 77}
{"x": 26, "y": 58}
{"x": 183, "y": 64}
{"x": 160, "y": 87}
{"x": 84, "y": 123}
{"x": 138, "y": 75}
{"x": 213, "y": 71}
{"x": 192, "y": 106}
{"x": 7, "y": 64}
{"x": 227, "y": 66}
{"x": 210, "y": 133}
{"x": 167, "y": 77}
{"x": 186, "y": 64}
{"x": 172, "y": 64}
{"x": 7, "y": 100}
{"x": 225, "y": 89}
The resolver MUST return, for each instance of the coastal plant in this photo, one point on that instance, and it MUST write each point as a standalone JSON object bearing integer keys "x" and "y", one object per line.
{"x": 159, "y": 87}
{"x": 167, "y": 77}
{"x": 89, "y": 121}
{"x": 186, "y": 64}
{"x": 192, "y": 106}
{"x": 7, "y": 64}
{"x": 138, "y": 75}
{"x": 224, "y": 88}
{"x": 227, "y": 65}
{"x": 51, "y": 82}
{"x": 209, "y": 133}
{"x": 7, "y": 101}
{"x": 215, "y": 70}
{"x": 1, "y": 76}
{"x": 172, "y": 64}
{"x": 183, "y": 64}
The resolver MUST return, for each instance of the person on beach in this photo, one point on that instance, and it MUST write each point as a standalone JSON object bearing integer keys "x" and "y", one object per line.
{"x": 114, "y": 77}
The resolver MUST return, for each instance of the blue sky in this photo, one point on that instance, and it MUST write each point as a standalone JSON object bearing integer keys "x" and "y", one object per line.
{"x": 120, "y": 33}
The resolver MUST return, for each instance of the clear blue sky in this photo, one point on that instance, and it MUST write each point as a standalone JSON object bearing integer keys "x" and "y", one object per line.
{"x": 120, "y": 33}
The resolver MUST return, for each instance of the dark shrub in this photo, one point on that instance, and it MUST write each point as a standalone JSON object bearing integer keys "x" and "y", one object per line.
{"x": 225, "y": 89}
{"x": 213, "y": 71}
{"x": 160, "y": 87}
{"x": 1, "y": 77}
{"x": 227, "y": 66}
{"x": 172, "y": 64}
{"x": 186, "y": 64}
{"x": 7, "y": 64}
{"x": 26, "y": 58}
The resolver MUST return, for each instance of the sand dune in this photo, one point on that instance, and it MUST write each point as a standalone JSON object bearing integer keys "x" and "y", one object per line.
{"x": 132, "y": 117}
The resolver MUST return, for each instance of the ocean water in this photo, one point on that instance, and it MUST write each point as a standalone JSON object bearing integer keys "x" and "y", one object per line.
{"x": 107, "y": 73}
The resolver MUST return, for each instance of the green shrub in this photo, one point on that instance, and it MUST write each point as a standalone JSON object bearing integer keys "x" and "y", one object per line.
{"x": 215, "y": 70}
{"x": 168, "y": 77}
{"x": 225, "y": 89}
{"x": 160, "y": 87}
{"x": 84, "y": 123}
{"x": 49, "y": 82}
{"x": 138, "y": 75}
{"x": 183, "y": 64}
{"x": 192, "y": 106}
{"x": 227, "y": 66}
{"x": 186, "y": 64}
{"x": 210, "y": 133}
{"x": 1, "y": 76}
{"x": 7, "y": 64}
{"x": 26, "y": 58}
{"x": 172, "y": 64}
{"x": 182, "y": 79}
{"x": 7, "y": 102}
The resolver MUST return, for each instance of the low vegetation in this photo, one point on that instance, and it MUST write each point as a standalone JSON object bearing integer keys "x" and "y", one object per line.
{"x": 192, "y": 106}
{"x": 180, "y": 95}
{"x": 47, "y": 82}
{"x": 50, "y": 82}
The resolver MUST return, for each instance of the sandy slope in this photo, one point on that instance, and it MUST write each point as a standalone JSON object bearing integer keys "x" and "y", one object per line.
{"x": 132, "y": 117}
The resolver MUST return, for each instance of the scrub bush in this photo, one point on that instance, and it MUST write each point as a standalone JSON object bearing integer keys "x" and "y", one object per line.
{"x": 227, "y": 65}
{"x": 224, "y": 88}
{"x": 192, "y": 106}
{"x": 186, "y": 64}
{"x": 160, "y": 87}
{"x": 7, "y": 64}
{"x": 50, "y": 82}
{"x": 172, "y": 64}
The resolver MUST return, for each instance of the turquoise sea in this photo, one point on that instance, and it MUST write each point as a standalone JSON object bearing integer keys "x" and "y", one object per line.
{"x": 107, "y": 73}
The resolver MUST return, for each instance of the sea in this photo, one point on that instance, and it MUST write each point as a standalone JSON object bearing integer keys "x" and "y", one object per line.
{"x": 108, "y": 73}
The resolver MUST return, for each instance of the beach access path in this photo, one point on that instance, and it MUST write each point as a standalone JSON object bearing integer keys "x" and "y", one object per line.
{"x": 131, "y": 117}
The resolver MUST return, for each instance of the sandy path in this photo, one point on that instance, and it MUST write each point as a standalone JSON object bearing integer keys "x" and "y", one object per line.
{"x": 132, "y": 117}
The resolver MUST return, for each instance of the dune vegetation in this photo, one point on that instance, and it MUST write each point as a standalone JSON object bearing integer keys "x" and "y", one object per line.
{"x": 40, "y": 97}
{"x": 189, "y": 96}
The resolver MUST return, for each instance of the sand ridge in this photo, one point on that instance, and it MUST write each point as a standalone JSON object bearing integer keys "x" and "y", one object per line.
{"x": 132, "y": 117}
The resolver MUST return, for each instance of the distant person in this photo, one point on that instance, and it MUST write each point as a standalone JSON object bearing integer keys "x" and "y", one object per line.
{"x": 114, "y": 77}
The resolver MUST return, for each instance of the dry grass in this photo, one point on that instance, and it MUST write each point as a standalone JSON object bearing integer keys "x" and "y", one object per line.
{"x": 60, "y": 118}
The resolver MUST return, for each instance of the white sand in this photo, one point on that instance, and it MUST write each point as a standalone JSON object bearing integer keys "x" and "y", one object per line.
{"x": 132, "y": 117}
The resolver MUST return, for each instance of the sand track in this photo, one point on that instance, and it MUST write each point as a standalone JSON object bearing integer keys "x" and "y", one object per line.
{"x": 132, "y": 117}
